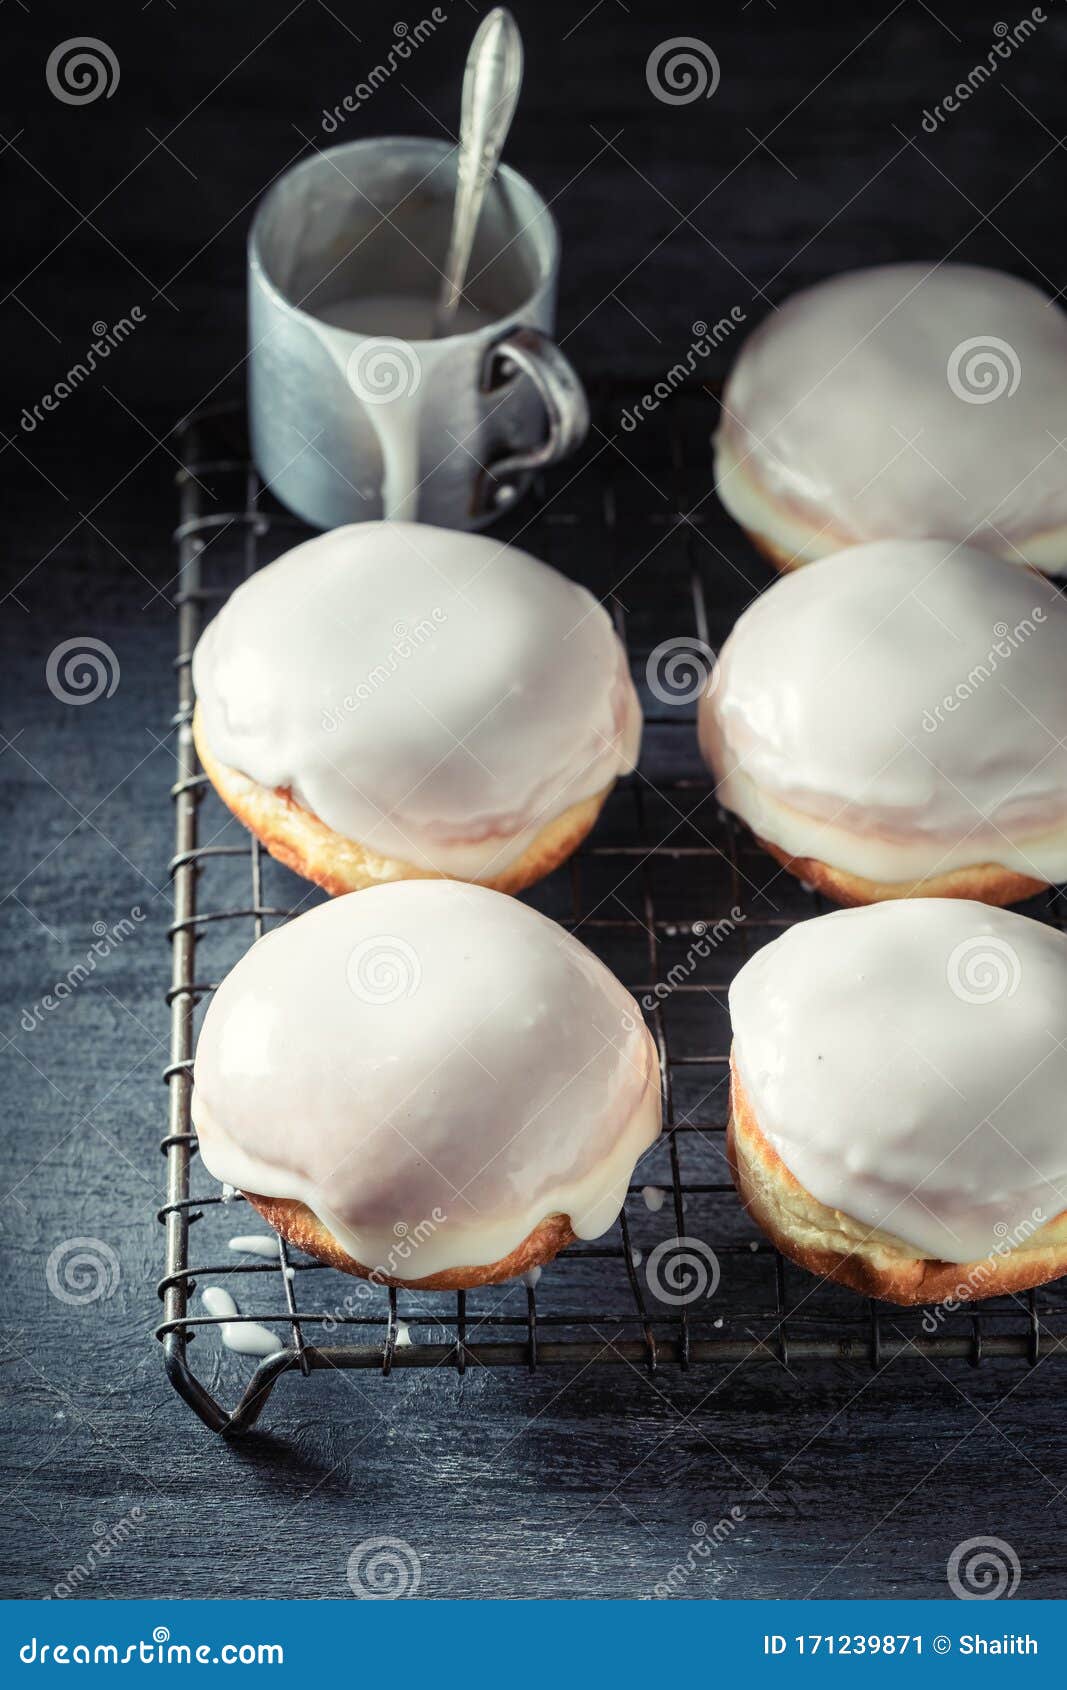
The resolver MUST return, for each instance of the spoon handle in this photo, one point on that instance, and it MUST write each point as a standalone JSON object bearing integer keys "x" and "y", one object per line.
{"x": 491, "y": 84}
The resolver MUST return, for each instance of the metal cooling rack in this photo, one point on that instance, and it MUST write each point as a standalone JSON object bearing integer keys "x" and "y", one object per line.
{"x": 641, "y": 527}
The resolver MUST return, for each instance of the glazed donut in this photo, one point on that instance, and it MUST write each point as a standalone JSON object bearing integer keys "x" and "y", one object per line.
{"x": 426, "y": 1084}
{"x": 897, "y": 1116}
{"x": 391, "y": 701}
{"x": 911, "y": 400}
{"x": 892, "y": 722}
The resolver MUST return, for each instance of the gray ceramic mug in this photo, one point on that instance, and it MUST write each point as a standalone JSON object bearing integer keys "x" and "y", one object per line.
{"x": 348, "y": 426}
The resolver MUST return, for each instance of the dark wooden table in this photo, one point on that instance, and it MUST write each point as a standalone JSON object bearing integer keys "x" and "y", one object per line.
{"x": 810, "y": 157}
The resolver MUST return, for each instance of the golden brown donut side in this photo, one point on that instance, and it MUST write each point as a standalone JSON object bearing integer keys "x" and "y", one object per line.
{"x": 303, "y": 1229}
{"x": 305, "y": 844}
{"x": 833, "y": 1245}
{"x": 781, "y": 557}
{"x": 777, "y": 554}
{"x": 810, "y": 526}
{"x": 986, "y": 883}
{"x": 786, "y": 561}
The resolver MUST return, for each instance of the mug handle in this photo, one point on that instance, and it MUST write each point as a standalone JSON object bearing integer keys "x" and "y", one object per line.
{"x": 533, "y": 354}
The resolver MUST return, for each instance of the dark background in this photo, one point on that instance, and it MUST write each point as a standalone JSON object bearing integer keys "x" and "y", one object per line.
{"x": 810, "y": 158}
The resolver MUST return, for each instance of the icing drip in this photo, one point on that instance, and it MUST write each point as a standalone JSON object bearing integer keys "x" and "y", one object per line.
{"x": 408, "y": 359}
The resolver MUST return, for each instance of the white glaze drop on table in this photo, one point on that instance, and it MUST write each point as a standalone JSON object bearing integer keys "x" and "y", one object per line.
{"x": 390, "y": 360}
{"x": 256, "y": 1244}
{"x": 654, "y": 1198}
{"x": 245, "y": 1337}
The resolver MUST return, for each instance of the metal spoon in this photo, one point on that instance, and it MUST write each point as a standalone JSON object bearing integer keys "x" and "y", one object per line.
{"x": 491, "y": 83}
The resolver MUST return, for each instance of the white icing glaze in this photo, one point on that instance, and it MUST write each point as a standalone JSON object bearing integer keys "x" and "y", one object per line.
{"x": 438, "y": 697}
{"x": 905, "y": 400}
{"x": 433, "y": 1069}
{"x": 246, "y": 1337}
{"x": 654, "y": 1197}
{"x": 256, "y": 1244}
{"x": 397, "y": 316}
{"x": 406, "y": 321}
{"x": 906, "y": 1061}
{"x": 404, "y": 1339}
{"x": 898, "y": 710}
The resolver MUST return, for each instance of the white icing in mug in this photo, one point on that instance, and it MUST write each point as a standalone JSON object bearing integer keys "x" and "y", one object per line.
{"x": 349, "y": 426}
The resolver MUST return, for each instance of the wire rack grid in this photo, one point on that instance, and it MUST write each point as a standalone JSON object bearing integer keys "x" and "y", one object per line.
{"x": 663, "y": 868}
